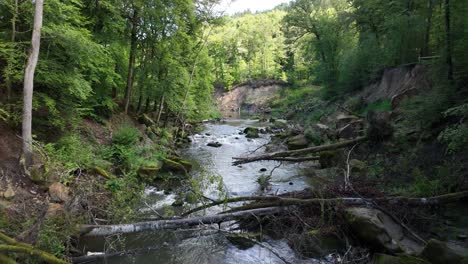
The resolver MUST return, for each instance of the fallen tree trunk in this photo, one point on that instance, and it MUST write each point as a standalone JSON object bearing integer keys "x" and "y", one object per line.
{"x": 272, "y": 201}
{"x": 273, "y": 205}
{"x": 105, "y": 230}
{"x": 285, "y": 155}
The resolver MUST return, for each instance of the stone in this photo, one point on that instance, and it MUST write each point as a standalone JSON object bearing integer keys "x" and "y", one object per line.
{"x": 9, "y": 193}
{"x": 54, "y": 209}
{"x": 214, "y": 144}
{"x": 342, "y": 120}
{"x": 150, "y": 172}
{"x": 389, "y": 259}
{"x": 242, "y": 241}
{"x": 438, "y": 252}
{"x": 380, "y": 231}
{"x": 351, "y": 130}
{"x": 358, "y": 167}
{"x": 263, "y": 169}
{"x": 251, "y": 132}
{"x": 297, "y": 142}
{"x": 59, "y": 193}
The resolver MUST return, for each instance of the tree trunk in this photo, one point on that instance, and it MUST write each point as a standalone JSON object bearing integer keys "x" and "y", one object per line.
{"x": 448, "y": 39}
{"x": 288, "y": 155}
{"x": 131, "y": 61}
{"x": 96, "y": 230}
{"x": 147, "y": 104}
{"x": 29, "y": 84}
{"x": 9, "y": 67}
{"x": 425, "y": 49}
{"x": 161, "y": 108}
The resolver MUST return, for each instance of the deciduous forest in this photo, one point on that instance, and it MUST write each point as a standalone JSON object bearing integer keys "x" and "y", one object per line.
{"x": 178, "y": 131}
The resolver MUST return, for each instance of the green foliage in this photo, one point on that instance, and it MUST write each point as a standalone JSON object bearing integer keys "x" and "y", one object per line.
{"x": 378, "y": 106}
{"x": 126, "y": 136}
{"x": 70, "y": 153}
{"x": 55, "y": 234}
{"x": 456, "y": 136}
{"x": 246, "y": 47}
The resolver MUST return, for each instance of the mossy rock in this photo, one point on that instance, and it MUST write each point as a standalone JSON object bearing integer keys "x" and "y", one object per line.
{"x": 177, "y": 165}
{"x": 187, "y": 164}
{"x": 150, "y": 172}
{"x": 279, "y": 125}
{"x": 389, "y": 259}
{"x": 297, "y": 142}
{"x": 104, "y": 173}
{"x": 243, "y": 241}
{"x": 251, "y": 132}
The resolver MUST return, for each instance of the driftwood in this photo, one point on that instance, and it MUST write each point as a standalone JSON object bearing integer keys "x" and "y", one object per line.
{"x": 13, "y": 246}
{"x": 105, "y": 230}
{"x": 292, "y": 155}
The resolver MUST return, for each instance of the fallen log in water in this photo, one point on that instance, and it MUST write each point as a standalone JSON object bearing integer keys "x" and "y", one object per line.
{"x": 105, "y": 230}
{"x": 292, "y": 155}
{"x": 272, "y": 201}
{"x": 272, "y": 205}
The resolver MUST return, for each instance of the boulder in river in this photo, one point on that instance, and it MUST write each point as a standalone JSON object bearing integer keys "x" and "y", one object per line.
{"x": 251, "y": 132}
{"x": 243, "y": 241}
{"x": 380, "y": 231}
{"x": 297, "y": 142}
{"x": 214, "y": 144}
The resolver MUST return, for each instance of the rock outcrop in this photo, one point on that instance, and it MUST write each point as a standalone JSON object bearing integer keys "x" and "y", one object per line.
{"x": 380, "y": 232}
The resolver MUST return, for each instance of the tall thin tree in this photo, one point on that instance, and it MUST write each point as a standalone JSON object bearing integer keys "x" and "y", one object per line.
{"x": 29, "y": 83}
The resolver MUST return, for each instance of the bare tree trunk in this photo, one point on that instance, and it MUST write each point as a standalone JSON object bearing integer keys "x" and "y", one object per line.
{"x": 131, "y": 61}
{"x": 29, "y": 84}
{"x": 147, "y": 104}
{"x": 13, "y": 39}
{"x": 290, "y": 155}
{"x": 96, "y": 230}
{"x": 448, "y": 39}
{"x": 425, "y": 48}
{"x": 161, "y": 108}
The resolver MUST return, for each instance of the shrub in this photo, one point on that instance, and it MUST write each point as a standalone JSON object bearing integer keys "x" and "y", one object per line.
{"x": 126, "y": 136}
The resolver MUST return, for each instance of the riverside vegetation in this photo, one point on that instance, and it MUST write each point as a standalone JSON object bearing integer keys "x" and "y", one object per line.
{"x": 375, "y": 93}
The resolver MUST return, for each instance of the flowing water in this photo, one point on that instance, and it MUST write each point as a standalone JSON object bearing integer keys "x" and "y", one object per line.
{"x": 208, "y": 245}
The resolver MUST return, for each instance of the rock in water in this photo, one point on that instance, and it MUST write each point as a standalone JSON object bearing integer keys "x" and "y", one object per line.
{"x": 214, "y": 144}
{"x": 251, "y": 132}
{"x": 380, "y": 232}
{"x": 242, "y": 241}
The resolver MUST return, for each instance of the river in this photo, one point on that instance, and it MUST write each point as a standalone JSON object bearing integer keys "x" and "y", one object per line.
{"x": 206, "y": 245}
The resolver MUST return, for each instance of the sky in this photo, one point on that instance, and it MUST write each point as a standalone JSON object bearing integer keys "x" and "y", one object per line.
{"x": 253, "y": 5}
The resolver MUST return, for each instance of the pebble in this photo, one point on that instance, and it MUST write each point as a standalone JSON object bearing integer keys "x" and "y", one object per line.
{"x": 263, "y": 169}
{"x": 291, "y": 183}
{"x": 33, "y": 192}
